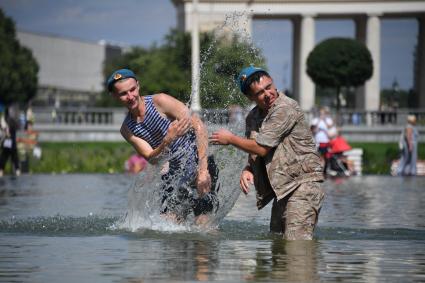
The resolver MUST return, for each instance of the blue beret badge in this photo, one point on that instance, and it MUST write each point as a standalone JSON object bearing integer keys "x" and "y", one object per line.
{"x": 117, "y": 76}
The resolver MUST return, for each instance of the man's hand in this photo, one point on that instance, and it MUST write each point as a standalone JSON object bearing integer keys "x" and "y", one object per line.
{"x": 177, "y": 129}
{"x": 245, "y": 180}
{"x": 225, "y": 137}
{"x": 203, "y": 182}
{"x": 221, "y": 136}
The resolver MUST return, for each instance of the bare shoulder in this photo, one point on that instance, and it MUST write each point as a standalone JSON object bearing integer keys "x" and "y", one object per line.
{"x": 163, "y": 98}
{"x": 169, "y": 105}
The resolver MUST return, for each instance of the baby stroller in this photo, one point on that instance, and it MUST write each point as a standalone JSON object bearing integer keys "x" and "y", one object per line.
{"x": 337, "y": 161}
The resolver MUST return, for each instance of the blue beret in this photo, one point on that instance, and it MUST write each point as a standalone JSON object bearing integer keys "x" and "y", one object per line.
{"x": 245, "y": 74}
{"x": 119, "y": 75}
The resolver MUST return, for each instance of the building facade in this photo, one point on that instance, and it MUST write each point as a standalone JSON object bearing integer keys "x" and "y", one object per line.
{"x": 71, "y": 70}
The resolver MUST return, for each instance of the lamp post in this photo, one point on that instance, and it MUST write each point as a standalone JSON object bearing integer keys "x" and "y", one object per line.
{"x": 395, "y": 89}
{"x": 393, "y": 103}
{"x": 195, "y": 99}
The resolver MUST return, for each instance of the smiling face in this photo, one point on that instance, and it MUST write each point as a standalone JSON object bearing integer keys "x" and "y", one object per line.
{"x": 127, "y": 92}
{"x": 263, "y": 92}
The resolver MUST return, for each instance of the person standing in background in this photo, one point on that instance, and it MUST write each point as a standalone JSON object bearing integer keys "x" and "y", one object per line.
{"x": 135, "y": 164}
{"x": 28, "y": 145}
{"x": 323, "y": 126}
{"x": 9, "y": 147}
{"x": 409, "y": 150}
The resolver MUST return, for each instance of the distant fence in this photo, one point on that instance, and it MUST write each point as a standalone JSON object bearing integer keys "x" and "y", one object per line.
{"x": 102, "y": 124}
{"x": 95, "y": 116}
{"x": 78, "y": 115}
{"x": 99, "y": 116}
{"x": 379, "y": 118}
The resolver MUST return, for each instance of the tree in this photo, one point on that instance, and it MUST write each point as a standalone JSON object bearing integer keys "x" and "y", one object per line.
{"x": 159, "y": 69}
{"x": 222, "y": 60}
{"x": 167, "y": 68}
{"x": 18, "y": 68}
{"x": 338, "y": 63}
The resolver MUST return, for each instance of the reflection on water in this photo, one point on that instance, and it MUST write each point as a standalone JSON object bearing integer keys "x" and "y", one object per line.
{"x": 62, "y": 226}
{"x": 296, "y": 261}
{"x": 376, "y": 202}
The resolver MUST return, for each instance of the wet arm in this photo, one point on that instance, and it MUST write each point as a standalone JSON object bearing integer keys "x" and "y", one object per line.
{"x": 226, "y": 137}
{"x": 247, "y": 177}
{"x": 203, "y": 180}
{"x": 202, "y": 141}
{"x": 142, "y": 147}
{"x": 175, "y": 109}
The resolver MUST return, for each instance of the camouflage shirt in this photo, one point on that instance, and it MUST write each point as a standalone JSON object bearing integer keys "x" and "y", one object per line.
{"x": 293, "y": 159}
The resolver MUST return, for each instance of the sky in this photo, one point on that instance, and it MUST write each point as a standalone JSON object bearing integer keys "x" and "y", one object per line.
{"x": 146, "y": 22}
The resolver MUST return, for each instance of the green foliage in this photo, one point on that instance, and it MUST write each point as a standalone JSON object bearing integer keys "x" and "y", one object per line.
{"x": 223, "y": 58}
{"x": 167, "y": 68}
{"x": 377, "y": 157}
{"x": 400, "y": 97}
{"x": 18, "y": 68}
{"x": 82, "y": 157}
{"x": 104, "y": 157}
{"x": 159, "y": 69}
{"x": 340, "y": 62}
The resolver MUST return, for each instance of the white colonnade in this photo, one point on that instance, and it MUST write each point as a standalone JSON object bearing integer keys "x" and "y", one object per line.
{"x": 367, "y": 15}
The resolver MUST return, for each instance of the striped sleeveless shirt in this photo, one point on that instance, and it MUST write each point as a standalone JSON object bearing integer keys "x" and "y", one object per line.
{"x": 153, "y": 129}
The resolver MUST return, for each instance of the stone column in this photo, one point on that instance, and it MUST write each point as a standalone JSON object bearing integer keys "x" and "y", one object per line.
{"x": 360, "y": 24}
{"x": 373, "y": 42}
{"x": 420, "y": 64}
{"x": 296, "y": 43}
{"x": 304, "y": 88}
{"x": 181, "y": 17}
{"x": 195, "y": 104}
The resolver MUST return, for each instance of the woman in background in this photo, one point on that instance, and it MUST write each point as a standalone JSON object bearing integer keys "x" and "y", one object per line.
{"x": 9, "y": 146}
{"x": 409, "y": 151}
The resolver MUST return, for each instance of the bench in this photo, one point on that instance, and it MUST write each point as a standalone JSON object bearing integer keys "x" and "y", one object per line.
{"x": 355, "y": 156}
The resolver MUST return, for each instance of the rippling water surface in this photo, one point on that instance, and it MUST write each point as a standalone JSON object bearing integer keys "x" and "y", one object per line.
{"x": 64, "y": 228}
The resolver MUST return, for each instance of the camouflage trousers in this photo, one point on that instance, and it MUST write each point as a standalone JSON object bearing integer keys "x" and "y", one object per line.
{"x": 297, "y": 214}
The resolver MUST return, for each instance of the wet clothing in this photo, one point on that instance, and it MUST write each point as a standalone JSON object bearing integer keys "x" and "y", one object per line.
{"x": 153, "y": 129}
{"x": 293, "y": 159}
{"x": 407, "y": 164}
{"x": 179, "y": 188}
{"x": 292, "y": 164}
{"x": 297, "y": 214}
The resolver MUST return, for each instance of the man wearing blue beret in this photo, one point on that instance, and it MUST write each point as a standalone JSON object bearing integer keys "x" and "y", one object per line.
{"x": 161, "y": 126}
{"x": 283, "y": 163}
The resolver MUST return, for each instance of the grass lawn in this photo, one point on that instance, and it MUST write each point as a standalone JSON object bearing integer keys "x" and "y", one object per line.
{"x": 110, "y": 157}
{"x": 377, "y": 157}
{"x": 81, "y": 157}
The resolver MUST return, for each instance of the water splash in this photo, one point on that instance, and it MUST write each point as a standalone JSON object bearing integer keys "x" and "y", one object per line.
{"x": 95, "y": 225}
{"x": 144, "y": 197}
{"x": 217, "y": 74}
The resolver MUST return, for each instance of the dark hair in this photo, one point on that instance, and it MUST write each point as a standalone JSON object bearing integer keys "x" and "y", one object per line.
{"x": 255, "y": 78}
